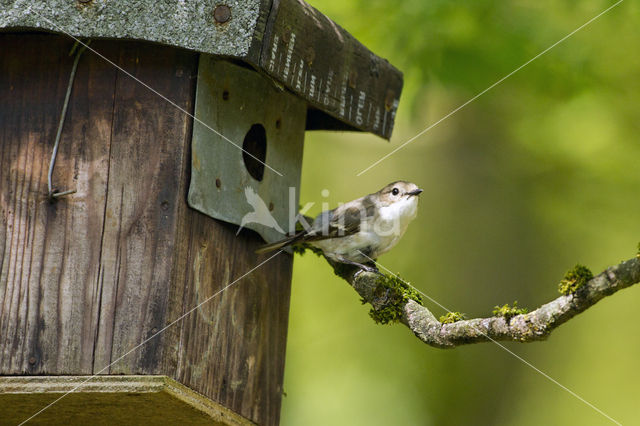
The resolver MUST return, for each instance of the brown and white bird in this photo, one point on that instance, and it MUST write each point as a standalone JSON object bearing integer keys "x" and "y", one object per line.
{"x": 362, "y": 229}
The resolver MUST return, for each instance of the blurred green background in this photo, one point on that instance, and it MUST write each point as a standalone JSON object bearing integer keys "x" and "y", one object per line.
{"x": 537, "y": 174}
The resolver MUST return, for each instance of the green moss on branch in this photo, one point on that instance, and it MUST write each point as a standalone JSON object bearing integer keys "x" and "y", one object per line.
{"x": 394, "y": 294}
{"x": 574, "y": 279}
{"x": 451, "y": 317}
{"x": 508, "y": 312}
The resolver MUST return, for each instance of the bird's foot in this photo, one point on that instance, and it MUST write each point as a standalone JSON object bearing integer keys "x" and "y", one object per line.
{"x": 363, "y": 267}
{"x": 373, "y": 269}
{"x": 387, "y": 296}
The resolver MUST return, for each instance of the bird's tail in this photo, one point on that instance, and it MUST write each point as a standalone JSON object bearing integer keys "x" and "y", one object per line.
{"x": 282, "y": 243}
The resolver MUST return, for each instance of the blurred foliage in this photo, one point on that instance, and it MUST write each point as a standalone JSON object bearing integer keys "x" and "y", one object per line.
{"x": 540, "y": 172}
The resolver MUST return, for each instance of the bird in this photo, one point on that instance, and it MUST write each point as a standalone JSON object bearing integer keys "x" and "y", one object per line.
{"x": 260, "y": 213}
{"x": 359, "y": 231}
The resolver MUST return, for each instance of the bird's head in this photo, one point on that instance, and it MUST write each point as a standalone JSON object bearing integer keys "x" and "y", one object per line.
{"x": 397, "y": 203}
{"x": 400, "y": 193}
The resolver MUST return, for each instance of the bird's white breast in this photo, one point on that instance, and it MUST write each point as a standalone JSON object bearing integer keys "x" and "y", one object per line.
{"x": 392, "y": 221}
{"x": 377, "y": 234}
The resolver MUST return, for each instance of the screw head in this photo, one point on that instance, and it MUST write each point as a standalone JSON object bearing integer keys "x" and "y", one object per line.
{"x": 389, "y": 99}
{"x": 353, "y": 79}
{"x": 222, "y": 13}
{"x": 310, "y": 55}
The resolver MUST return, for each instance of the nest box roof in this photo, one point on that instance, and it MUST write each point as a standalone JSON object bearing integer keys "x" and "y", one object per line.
{"x": 346, "y": 86}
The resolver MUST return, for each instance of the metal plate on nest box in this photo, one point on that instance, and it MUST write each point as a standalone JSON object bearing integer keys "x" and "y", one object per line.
{"x": 246, "y": 148}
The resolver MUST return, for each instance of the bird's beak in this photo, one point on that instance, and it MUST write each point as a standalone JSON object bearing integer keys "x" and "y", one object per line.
{"x": 415, "y": 192}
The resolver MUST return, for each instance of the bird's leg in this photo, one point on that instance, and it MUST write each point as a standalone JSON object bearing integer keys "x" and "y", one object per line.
{"x": 366, "y": 268}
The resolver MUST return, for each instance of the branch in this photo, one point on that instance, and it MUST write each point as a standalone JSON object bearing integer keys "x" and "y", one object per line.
{"x": 393, "y": 300}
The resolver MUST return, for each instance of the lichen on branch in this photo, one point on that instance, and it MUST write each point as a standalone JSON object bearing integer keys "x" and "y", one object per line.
{"x": 394, "y": 293}
{"x": 393, "y": 300}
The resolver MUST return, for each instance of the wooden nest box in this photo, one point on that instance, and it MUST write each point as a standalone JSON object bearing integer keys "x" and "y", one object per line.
{"x": 126, "y": 296}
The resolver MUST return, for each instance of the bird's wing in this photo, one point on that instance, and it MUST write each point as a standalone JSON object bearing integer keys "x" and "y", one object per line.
{"x": 342, "y": 221}
{"x": 339, "y": 222}
{"x": 282, "y": 243}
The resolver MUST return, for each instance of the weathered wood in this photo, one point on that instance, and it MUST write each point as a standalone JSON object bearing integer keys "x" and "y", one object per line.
{"x": 48, "y": 290}
{"x": 86, "y": 279}
{"x": 149, "y": 140}
{"x": 324, "y": 64}
{"x": 227, "y": 349}
{"x": 348, "y": 86}
{"x": 187, "y": 25}
{"x": 109, "y": 400}
{"x": 244, "y": 94}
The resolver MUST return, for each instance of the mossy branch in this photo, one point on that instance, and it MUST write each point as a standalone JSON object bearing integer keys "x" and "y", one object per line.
{"x": 391, "y": 302}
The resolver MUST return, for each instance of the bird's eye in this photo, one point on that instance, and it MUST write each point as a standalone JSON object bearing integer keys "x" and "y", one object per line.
{"x": 395, "y": 191}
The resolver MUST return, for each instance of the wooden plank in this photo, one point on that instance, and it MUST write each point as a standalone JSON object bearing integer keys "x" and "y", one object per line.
{"x": 147, "y": 158}
{"x": 324, "y": 64}
{"x": 109, "y": 400}
{"x": 233, "y": 346}
{"x": 48, "y": 294}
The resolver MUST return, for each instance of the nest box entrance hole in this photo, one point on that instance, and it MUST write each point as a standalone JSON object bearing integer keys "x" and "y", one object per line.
{"x": 254, "y": 151}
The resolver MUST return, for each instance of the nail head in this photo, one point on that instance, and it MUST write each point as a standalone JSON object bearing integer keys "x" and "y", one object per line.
{"x": 222, "y": 13}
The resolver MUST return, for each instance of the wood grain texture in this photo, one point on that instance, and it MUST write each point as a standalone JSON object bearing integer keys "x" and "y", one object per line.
{"x": 149, "y": 139}
{"x": 48, "y": 291}
{"x": 226, "y": 348}
{"x": 137, "y": 399}
{"x": 87, "y": 279}
{"x": 347, "y": 85}
{"x": 294, "y": 43}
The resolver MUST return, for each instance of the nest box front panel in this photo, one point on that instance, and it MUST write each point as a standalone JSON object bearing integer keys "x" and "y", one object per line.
{"x": 247, "y": 148}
